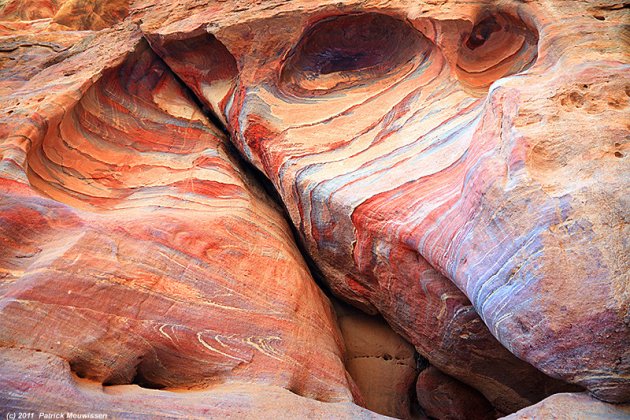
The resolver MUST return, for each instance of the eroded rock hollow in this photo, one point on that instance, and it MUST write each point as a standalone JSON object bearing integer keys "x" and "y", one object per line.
{"x": 189, "y": 190}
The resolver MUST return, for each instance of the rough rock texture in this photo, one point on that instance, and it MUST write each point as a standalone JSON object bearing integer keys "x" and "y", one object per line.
{"x": 479, "y": 155}
{"x": 572, "y": 407}
{"x": 28, "y": 48}
{"x": 71, "y": 14}
{"x": 443, "y": 397}
{"x": 382, "y": 364}
{"x": 52, "y": 388}
{"x": 134, "y": 247}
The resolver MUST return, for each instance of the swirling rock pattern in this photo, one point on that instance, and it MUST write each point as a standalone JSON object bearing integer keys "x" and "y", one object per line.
{"x": 474, "y": 165}
{"x": 135, "y": 247}
{"x": 28, "y": 10}
{"x": 457, "y": 166}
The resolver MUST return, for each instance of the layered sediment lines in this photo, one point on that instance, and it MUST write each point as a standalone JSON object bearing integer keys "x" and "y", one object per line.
{"x": 459, "y": 168}
{"x": 138, "y": 251}
{"x": 475, "y": 167}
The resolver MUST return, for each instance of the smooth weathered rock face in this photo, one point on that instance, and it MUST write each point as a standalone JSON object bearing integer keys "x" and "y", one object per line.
{"x": 382, "y": 363}
{"x": 572, "y": 406}
{"x": 480, "y": 156}
{"x": 52, "y": 388}
{"x": 443, "y": 397}
{"x": 136, "y": 249}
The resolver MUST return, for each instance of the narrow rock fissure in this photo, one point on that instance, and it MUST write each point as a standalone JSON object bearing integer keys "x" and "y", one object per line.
{"x": 389, "y": 361}
{"x": 254, "y": 173}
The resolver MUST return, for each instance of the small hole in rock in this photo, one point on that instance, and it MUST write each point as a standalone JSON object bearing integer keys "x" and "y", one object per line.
{"x": 481, "y": 32}
{"x": 499, "y": 45}
{"x": 619, "y": 154}
{"x": 387, "y": 356}
{"x": 340, "y": 51}
{"x": 598, "y": 17}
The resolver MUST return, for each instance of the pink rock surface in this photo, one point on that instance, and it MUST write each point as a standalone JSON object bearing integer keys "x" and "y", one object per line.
{"x": 479, "y": 156}
{"x": 52, "y": 388}
{"x": 572, "y": 406}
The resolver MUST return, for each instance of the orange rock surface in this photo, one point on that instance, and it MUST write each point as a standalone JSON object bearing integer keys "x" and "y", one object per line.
{"x": 382, "y": 364}
{"x": 410, "y": 169}
{"x": 475, "y": 164}
{"x": 71, "y": 14}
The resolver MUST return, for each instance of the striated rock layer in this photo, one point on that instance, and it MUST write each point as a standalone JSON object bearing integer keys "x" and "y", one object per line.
{"x": 457, "y": 166}
{"x": 451, "y": 166}
{"x": 136, "y": 249}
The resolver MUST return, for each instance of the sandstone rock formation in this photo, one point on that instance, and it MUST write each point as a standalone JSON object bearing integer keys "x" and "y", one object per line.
{"x": 442, "y": 397}
{"x": 51, "y": 388}
{"x": 383, "y": 365}
{"x": 458, "y": 167}
{"x": 454, "y": 163}
{"x": 134, "y": 246}
{"x": 393, "y": 161}
{"x": 572, "y": 406}
{"x": 71, "y": 14}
